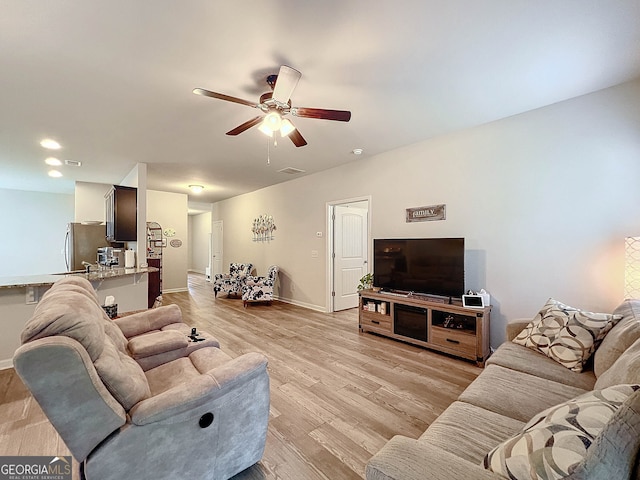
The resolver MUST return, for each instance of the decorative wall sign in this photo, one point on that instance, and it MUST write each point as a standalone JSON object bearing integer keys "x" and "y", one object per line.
{"x": 263, "y": 228}
{"x": 175, "y": 243}
{"x": 426, "y": 214}
{"x": 169, "y": 232}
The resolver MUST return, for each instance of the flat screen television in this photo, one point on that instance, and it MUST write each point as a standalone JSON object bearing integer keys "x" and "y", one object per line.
{"x": 432, "y": 266}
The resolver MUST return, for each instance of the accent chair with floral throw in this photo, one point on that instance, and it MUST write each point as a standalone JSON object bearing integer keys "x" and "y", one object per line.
{"x": 260, "y": 289}
{"x": 231, "y": 283}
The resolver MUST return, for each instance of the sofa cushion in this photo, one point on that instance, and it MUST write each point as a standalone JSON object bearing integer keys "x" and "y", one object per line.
{"x": 555, "y": 442}
{"x": 621, "y": 336}
{"x": 76, "y": 283}
{"x": 469, "y": 432}
{"x": 565, "y": 334}
{"x": 149, "y": 320}
{"x": 82, "y": 286}
{"x": 168, "y": 375}
{"x": 206, "y": 359}
{"x": 404, "y": 458}
{"x": 157, "y": 342}
{"x": 115, "y": 334}
{"x": 68, "y": 310}
{"x": 515, "y": 394}
{"x": 523, "y": 359}
{"x": 71, "y": 314}
{"x": 122, "y": 376}
{"x": 626, "y": 369}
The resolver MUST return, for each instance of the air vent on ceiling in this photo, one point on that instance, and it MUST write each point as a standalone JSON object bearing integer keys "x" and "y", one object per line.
{"x": 291, "y": 170}
{"x": 73, "y": 163}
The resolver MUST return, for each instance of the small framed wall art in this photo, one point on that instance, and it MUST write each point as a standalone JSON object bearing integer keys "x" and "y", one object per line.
{"x": 426, "y": 214}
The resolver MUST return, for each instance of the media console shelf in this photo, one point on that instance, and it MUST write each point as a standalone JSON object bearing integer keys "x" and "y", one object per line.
{"x": 452, "y": 329}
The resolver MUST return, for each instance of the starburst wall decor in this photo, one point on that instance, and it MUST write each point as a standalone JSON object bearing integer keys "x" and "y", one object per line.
{"x": 263, "y": 228}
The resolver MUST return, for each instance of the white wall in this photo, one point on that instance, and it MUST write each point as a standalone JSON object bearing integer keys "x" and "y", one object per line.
{"x": 543, "y": 199}
{"x": 137, "y": 178}
{"x": 199, "y": 238}
{"x": 90, "y": 201}
{"x": 33, "y": 230}
{"x": 170, "y": 211}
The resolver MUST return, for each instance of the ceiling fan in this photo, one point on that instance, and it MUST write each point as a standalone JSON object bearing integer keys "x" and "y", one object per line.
{"x": 276, "y": 104}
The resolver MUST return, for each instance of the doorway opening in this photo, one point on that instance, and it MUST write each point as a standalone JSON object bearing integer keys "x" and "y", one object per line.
{"x": 349, "y": 232}
{"x": 216, "y": 249}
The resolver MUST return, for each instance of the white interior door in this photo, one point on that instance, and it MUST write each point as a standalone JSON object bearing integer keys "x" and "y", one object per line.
{"x": 216, "y": 247}
{"x": 350, "y": 254}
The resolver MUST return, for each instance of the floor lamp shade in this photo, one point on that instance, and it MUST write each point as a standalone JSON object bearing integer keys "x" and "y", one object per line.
{"x": 632, "y": 267}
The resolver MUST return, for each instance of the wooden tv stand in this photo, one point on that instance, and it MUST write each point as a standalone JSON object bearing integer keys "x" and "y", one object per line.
{"x": 452, "y": 329}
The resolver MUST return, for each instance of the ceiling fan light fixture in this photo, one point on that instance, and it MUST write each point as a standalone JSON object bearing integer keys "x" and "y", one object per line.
{"x": 266, "y": 130}
{"x": 273, "y": 121}
{"x": 275, "y": 105}
{"x": 286, "y": 128}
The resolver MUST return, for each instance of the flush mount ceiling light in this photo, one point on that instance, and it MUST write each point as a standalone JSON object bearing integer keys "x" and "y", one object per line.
{"x": 55, "y": 173}
{"x": 196, "y": 188}
{"x": 50, "y": 144}
{"x": 357, "y": 151}
{"x": 53, "y": 161}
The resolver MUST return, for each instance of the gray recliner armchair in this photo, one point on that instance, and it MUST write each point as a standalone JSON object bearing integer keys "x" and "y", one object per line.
{"x": 157, "y": 405}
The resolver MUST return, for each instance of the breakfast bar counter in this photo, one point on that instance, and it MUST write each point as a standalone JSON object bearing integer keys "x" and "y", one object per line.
{"x": 51, "y": 278}
{"x": 19, "y": 296}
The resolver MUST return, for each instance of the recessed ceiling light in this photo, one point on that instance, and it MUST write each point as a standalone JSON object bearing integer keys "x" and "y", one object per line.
{"x": 55, "y": 173}
{"x": 53, "y": 161}
{"x": 196, "y": 188}
{"x": 50, "y": 144}
{"x": 357, "y": 151}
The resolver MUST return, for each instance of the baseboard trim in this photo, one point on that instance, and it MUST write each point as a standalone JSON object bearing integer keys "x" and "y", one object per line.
{"x": 7, "y": 363}
{"x": 175, "y": 290}
{"x": 310, "y": 306}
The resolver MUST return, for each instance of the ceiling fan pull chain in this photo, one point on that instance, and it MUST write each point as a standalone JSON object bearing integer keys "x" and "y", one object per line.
{"x": 268, "y": 148}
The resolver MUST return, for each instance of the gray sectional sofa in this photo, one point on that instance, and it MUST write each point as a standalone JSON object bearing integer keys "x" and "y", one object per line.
{"x": 517, "y": 384}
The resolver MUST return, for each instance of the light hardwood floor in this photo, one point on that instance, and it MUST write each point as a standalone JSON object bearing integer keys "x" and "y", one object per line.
{"x": 337, "y": 396}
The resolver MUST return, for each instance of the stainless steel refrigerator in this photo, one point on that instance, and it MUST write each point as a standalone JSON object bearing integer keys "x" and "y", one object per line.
{"x": 81, "y": 244}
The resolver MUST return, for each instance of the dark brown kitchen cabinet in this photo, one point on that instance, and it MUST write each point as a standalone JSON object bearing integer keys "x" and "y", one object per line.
{"x": 155, "y": 281}
{"x": 122, "y": 214}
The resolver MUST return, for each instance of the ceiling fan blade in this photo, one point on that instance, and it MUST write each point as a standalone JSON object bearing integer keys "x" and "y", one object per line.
{"x": 245, "y": 126}
{"x": 339, "y": 115}
{"x": 285, "y": 84}
{"x": 222, "y": 96}
{"x": 297, "y": 138}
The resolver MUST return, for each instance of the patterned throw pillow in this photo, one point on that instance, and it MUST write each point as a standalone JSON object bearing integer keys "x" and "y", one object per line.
{"x": 556, "y": 440}
{"x": 565, "y": 334}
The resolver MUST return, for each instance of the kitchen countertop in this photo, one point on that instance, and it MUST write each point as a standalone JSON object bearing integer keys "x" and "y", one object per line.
{"x": 51, "y": 278}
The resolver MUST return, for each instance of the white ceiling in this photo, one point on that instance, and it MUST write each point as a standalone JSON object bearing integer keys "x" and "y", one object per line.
{"x": 112, "y": 80}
